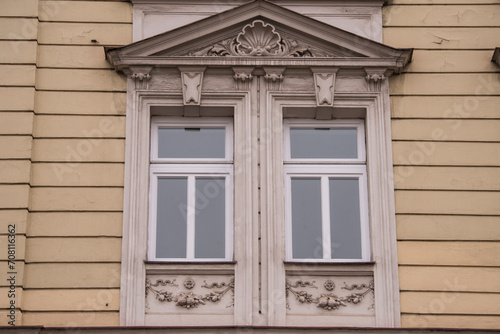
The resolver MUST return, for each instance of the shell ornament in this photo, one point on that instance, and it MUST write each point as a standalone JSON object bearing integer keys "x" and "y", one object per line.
{"x": 259, "y": 39}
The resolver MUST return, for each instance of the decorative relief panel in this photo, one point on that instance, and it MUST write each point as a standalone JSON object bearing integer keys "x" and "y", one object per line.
{"x": 335, "y": 295}
{"x": 260, "y": 39}
{"x": 189, "y": 294}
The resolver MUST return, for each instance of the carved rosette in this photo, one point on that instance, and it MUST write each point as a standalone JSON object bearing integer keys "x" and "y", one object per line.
{"x": 140, "y": 74}
{"x": 188, "y": 299}
{"x": 328, "y": 300}
{"x": 375, "y": 77}
{"x": 259, "y": 39}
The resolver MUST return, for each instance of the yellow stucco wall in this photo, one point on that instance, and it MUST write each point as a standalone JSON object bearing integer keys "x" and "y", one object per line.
{"x": 446, "y": 147}
{"x": 62, "y": 129}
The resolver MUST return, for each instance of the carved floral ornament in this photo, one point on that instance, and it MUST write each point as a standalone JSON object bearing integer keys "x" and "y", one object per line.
{"x": 189, "y": 299}
{"x": 259, "y": 39}
{"x": 328, "y": 301}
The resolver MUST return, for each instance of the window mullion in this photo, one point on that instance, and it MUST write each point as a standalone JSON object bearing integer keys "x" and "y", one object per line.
{"x": 325, "y": 218}
{"x": 190, "y": 220}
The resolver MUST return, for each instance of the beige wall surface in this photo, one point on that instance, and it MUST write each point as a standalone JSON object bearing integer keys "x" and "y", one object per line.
{"x": 62, "y": 129}
{"x": 446, "y": 147}
{"x": 18, "y": 53}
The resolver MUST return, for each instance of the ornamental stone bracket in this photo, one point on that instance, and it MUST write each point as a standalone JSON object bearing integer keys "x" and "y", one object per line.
{"x": 274, "y": 77}
{"x": 324, "y": 84}
{"x": 243, "y": 77}
{"x": 375, "y": 77}
{"x": 140, "y": 74}
{"x": 192, "y": 80}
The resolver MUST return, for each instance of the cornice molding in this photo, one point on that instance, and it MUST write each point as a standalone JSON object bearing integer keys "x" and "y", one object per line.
{"x": 377, "y": 3}
{"x": 123, "y": 63}
{"x": 205, "y": 329}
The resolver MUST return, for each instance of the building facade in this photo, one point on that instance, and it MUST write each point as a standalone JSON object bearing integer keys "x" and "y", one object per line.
{"x": 164, "y": 163}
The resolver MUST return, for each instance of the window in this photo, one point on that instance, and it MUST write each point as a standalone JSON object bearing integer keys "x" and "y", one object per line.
{"x": 325, "y": 189}
{"x": 249, "y": 221}
{"x": 191, "y": 189}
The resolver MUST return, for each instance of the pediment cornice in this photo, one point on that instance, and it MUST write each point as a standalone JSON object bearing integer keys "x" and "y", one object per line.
{"x": 259, "y": 34}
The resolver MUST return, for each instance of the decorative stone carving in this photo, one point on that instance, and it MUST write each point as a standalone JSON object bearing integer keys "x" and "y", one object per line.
{"x": 375, "y": 77}
{"x": 189, "y": 299}
{"x": 324, "y": 88}
{"x": 328, "y": 301}
{"x": 242, "y": 77}
{"x": 259, "y": 39}
{"x": 140, "y": 74}
{"x": 274, "y": 77}
{"x": 192, "y": 79}
{"x": 189, "y": 283}
{"x": 324, "y": 83}
{"x": 329, "y": 285}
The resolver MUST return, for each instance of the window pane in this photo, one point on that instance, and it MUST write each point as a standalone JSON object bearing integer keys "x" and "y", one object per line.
{"x": 210, "y": 223}
{"x": 171, "y": 230}
{"x": 345, "y": 219}
{"x": 191, "y": 143}
{"x": 306, "y": 219}
{"x": 323, "y": 143}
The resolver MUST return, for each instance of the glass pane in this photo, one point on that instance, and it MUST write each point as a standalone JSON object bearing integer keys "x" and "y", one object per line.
{"x": 210, "y": 222}
{"x": 345, "y": 219}
{"x": 306, "y": 219}
{"x": 323, "y": 143}
{"x": 191, "y": 143}
{"x": 171, "y": 230}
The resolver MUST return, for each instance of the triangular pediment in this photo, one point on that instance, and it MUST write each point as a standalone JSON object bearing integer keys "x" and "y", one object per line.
{"x": 260, "y": 37}
{"x": 258, "y": 30}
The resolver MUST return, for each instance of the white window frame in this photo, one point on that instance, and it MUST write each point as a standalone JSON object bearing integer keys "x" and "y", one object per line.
{"x": 191, "y": 169}
{"x": 158, "y": 122}
{"x": 326, "y": 169}
{"x": 341, "y": 123}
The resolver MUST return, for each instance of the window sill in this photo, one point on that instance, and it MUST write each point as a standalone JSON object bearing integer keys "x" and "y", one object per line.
{"x": 160, "y": 267}
{"x": 329, "y": 268}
